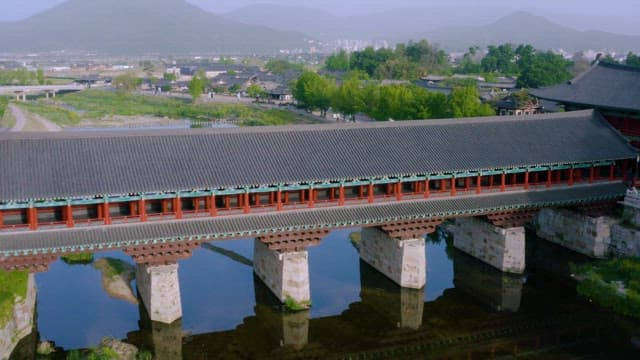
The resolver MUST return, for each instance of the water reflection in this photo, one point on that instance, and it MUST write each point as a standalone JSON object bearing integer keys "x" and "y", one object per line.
{"x": 357, "y": 312}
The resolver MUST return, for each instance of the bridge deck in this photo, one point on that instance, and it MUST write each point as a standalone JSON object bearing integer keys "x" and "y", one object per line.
{"x": 252, "y": 225}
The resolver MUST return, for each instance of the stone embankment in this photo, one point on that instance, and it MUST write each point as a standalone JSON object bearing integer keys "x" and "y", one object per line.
{"x": 20, "y": 324}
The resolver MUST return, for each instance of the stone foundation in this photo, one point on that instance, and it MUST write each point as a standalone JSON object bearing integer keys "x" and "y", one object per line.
{"x": 498, "y": 247}
{"x": 402, "y": 261}
{"x": 21, "y": 323}
{"x": 159, "y": 289}
{"x": 584, "y": 234}
{"x": 286, "y": 274}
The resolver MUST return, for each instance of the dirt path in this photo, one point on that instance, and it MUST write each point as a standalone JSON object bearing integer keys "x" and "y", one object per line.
{"x": 31, "y": 122}
{"x": 19, "y": 116}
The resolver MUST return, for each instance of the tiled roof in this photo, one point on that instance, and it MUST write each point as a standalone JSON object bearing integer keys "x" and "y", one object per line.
{"x": 252, "y": 224}
{"x": 84, "y": 164}
{"x": 605, "y": 85}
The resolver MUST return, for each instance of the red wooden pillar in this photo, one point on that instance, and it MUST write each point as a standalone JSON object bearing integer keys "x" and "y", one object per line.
{"x": 302, "y": 197}
{"x": 399, "y": 191}
{"x": 142, "y": 210}
{"x": 68, "y": 216}
{"x": 1, "y": 220}
{"x": 286, "y": 198}
{"x": 571, "y": 173}
{"x": 427, "y": 191}
{"x": 271, "y": 198}
{"x": 332, "y": 194}
{"x": 257, "y": 197}
{"x": 503, "y": 182}
{"x": 247, "y": 207}
{"x": 479, "y": 184}
{"x": 227, "y": 202}
{"x": 177, "y": 207}
{"x": 592, "y": 173}
{"x": 106, "y": 213}
{"x": 341, "y": 196}
{"x": 536, "y": 178}
{"x": 165, "y": 207}
{"x": 312, "y": 198}
{"x": 213, "y": 210}
{"x": 612, "y": 172}
{"x": 279, "y": 200}
{"x": 526, "y": 180}
{"x": 514, "y": 179}
{"x": 443, "y": 185}
{"x": 360, "y": 192}
{"x": 132, "y": 208}
{"x": 100, "y": 211}
{"x": 32, "y": 216}
{"x": 491, "y": 181}
{"x": 370, "y": 194}
{"x": 467, "y": 184}
{"x": 453, "y": 186}
{"x": 549, "y": 175}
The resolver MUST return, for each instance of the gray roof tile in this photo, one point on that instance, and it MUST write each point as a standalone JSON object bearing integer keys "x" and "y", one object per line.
{"x": 84, "y": 164}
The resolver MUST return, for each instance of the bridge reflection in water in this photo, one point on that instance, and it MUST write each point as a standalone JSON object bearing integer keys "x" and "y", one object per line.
{"x": 487, "y": 314}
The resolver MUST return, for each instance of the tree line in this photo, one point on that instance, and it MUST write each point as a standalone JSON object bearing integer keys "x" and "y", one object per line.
{"x": 22, "y": 77}
{"x": 385, "y": 102}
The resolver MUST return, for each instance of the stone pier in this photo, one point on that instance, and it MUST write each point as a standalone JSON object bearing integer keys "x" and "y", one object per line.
{"x": 159, "y": 289}
{"x": 286, "y": 274}
{"x": 20, "y": 322}
{"x": 165, "y": 340}
{"x": 502, "y": 248}
{"x": 402, "y": 261}
{"x": 587, "y": 235}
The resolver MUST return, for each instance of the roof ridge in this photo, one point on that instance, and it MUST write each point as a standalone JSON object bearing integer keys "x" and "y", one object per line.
{"x": 289, "y": 128}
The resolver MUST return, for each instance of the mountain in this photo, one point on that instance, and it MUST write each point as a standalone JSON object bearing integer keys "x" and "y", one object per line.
{"x": 526, "y": 28}
{"x": 140, "y": 26}
{"x": 389, "y": 25}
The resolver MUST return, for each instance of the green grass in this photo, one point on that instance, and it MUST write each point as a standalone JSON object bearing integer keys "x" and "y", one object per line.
{"x": 97, "y": 104}
{"x": 13, "y": 285}
{"x": 613, "y": 284}
{"x": 54, "y": 113}
{"x": 75, "y": 259}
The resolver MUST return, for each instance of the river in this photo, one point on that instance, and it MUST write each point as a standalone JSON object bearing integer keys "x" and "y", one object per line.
{"x": 467, "y": 310}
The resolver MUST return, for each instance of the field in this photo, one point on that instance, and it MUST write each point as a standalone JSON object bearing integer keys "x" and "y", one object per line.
{"x": 91, "y": 105}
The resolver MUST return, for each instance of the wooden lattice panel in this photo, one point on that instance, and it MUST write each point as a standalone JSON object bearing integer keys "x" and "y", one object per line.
{"x": 510, "y": 219}
{"x": 30, "y": 263}
{"x": 162, "y": 254}
{"x": 412, "y": 229}
{"x": 293, "y": 241}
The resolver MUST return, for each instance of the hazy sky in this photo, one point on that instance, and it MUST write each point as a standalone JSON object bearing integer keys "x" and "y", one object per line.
{"x": 610, "y": 11}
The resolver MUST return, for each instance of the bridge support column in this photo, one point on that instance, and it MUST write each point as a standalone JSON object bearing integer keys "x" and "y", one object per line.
{"x": 584, "y": 234}
{"x": 286, "y": 274}
{"x": 402, "y": 261}
{"x": 502, "y": 248}
{"x": 159, "y": 289}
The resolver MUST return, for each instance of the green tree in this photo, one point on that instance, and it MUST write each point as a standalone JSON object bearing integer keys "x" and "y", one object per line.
{"x": 349, "y": 98}
{"x": 465, "y": 102}
{"x": 338, "y": 61}
{"x": 501, "y": 59}
{"x": 256, "y": 91}
{"x": 314, "y": 92}
{"x": 545, "y": 69}
{"x": 197, "y": 85}
{"x": 126, "y": 82}
{"x": 632, "y": 59}
{"x": 282, "y": 66}
{"x": 169, "y": 77}
{"x": 40, "y": 76}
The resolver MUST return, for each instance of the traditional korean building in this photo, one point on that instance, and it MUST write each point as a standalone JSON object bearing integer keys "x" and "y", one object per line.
{"x": 612, "y": 89}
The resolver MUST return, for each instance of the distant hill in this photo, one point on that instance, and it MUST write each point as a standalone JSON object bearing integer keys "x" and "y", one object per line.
{"x": 140, "y": 26}
{"x": 391, "y": 25}
{"x": 455, "y": 28}
{"x": 526, "y": 28}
